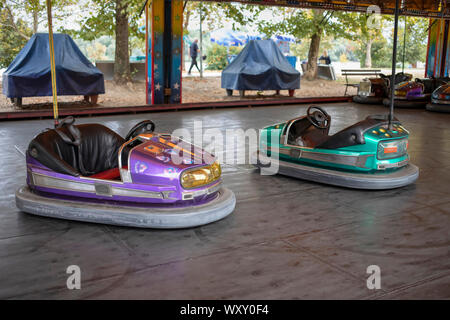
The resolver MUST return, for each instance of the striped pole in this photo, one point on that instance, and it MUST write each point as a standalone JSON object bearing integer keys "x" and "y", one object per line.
{"x": 394, "y": 62}
{"x": 146, "y": 53}
{"x": 52, "y": 62}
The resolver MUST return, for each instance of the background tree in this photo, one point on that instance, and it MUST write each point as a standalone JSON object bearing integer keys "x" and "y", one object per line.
{"x": 118, "y": 18}
{"x": 14, "y": 34}
{"x": 416, "y": 40}
{"x": 217, "y": 56}
{"x": 365, "y": 30}
{"x": 33, "y": 12}
{"x": 312, "y": 24}
{"x": 96, "y": 51}
{"x": 122, "y": 72}
{"x": 381, "y": 42}
{"x": 19, "y": 19}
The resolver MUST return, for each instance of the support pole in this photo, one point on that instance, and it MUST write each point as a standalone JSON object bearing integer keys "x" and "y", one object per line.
{"x": 404, "y": 48}
{"x": 52, "y": 62}
{"x": 147, "y": 54}
{"x": 164, "y": 41}
{"x": 394, "y": 61}
{"x": 201, "y": 40}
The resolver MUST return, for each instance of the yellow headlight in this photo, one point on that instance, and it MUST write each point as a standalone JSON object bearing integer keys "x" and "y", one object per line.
{"x": 201, "y": 176}
{"x": 216, "y": 169}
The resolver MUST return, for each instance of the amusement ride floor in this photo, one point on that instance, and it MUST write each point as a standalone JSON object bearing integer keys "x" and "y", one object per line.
{"x": 287, "y": 238}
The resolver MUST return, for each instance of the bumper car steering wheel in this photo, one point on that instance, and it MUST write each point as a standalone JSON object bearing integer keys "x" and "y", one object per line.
{"x": 146, "y": 126}
{"x": 318, "y": 117}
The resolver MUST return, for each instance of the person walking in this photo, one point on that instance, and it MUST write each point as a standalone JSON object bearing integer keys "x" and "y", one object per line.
{"x": 193, "y": 51}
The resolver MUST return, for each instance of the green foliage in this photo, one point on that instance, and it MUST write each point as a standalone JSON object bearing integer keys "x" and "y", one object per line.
{"x": 237, "y": 13}
{"x": 381, "y": 51}
{"x": 336, "y": 47}
{"x": 302, "y": 23}
{"x": 416, "y": 40}
{"x": 100, "y": 19}
{"x": 310, "y": 25}
{"x": 33, "y": 12}
{"x": 381, "y": 54}
{"x": 18, "y": 21}
{"x": 96, "y": 51}
{"x": 216, "y": 57}
{"x": 13, "y": 36}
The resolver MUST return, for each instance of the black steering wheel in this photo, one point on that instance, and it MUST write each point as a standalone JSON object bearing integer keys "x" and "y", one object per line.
{"x": 318, "y": 117}
{"x": 146, "y": 126}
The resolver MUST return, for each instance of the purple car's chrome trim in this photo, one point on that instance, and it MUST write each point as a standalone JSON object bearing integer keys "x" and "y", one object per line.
{"x": 41, "y": 179}
{"x": 193, "y": 194}
{"x": 99, "y": 188}
{"x": 125, "y": 174}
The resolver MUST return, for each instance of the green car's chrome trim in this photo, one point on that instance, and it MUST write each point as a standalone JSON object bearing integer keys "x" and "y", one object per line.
{"x": 296, "y": 152}
{"x": 393, "y": 165}
{"x": 359, "y": 157}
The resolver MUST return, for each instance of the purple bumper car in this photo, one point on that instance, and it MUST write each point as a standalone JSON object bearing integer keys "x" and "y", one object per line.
{"x": 409, "y": 94}
{"x": 90, "y": 173}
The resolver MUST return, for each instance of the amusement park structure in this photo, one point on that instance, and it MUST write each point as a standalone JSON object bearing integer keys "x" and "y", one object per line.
{"x": 438, "y": 63}
{"x": 164, "y": 33}
{"x": 164, "y": 50}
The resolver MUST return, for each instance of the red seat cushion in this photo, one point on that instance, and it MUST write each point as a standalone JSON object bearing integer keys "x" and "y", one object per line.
{"x": 110, "y": 174}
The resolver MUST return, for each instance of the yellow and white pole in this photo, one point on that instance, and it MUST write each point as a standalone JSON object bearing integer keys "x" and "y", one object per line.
{"x": 52, "y": 62}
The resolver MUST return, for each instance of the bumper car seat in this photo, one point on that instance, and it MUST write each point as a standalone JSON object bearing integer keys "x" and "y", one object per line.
{"x": 95, "y": 155}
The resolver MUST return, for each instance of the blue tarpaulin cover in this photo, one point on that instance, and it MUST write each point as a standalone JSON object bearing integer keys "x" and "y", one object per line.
{"x": 29, "y": 74}
{"x": 260, "y": 66}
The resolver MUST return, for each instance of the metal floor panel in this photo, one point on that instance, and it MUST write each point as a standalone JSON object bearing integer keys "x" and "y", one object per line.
{"x": 287, "y": 238}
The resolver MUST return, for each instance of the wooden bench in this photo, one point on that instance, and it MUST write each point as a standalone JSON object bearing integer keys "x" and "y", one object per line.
{"x": 357, "y": 72}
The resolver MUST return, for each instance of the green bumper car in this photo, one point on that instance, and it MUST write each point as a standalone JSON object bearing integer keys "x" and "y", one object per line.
{"x": 367, "y": 155}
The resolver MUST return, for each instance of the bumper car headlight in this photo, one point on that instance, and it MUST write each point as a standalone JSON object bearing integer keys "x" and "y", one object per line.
{"x": 201, "y": 176}
{"x": 392, "y": 149}
{"x": 216, "y": 170}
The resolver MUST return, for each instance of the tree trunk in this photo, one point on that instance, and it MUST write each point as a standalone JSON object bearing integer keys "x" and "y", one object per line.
{"x": 313, "y": 55}
{"x": 368, "y": 61}
{"x": 186, "y": 19}
{"x": 122, "y": 72}
{"x": 35, "y": 21}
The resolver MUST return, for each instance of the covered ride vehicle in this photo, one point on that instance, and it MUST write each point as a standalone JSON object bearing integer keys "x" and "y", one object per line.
{"x": 260, "y": 66}
{"x": 90, "y": 173}
{"x": 366, "y": 155}
{"x": 29, "y": 75}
